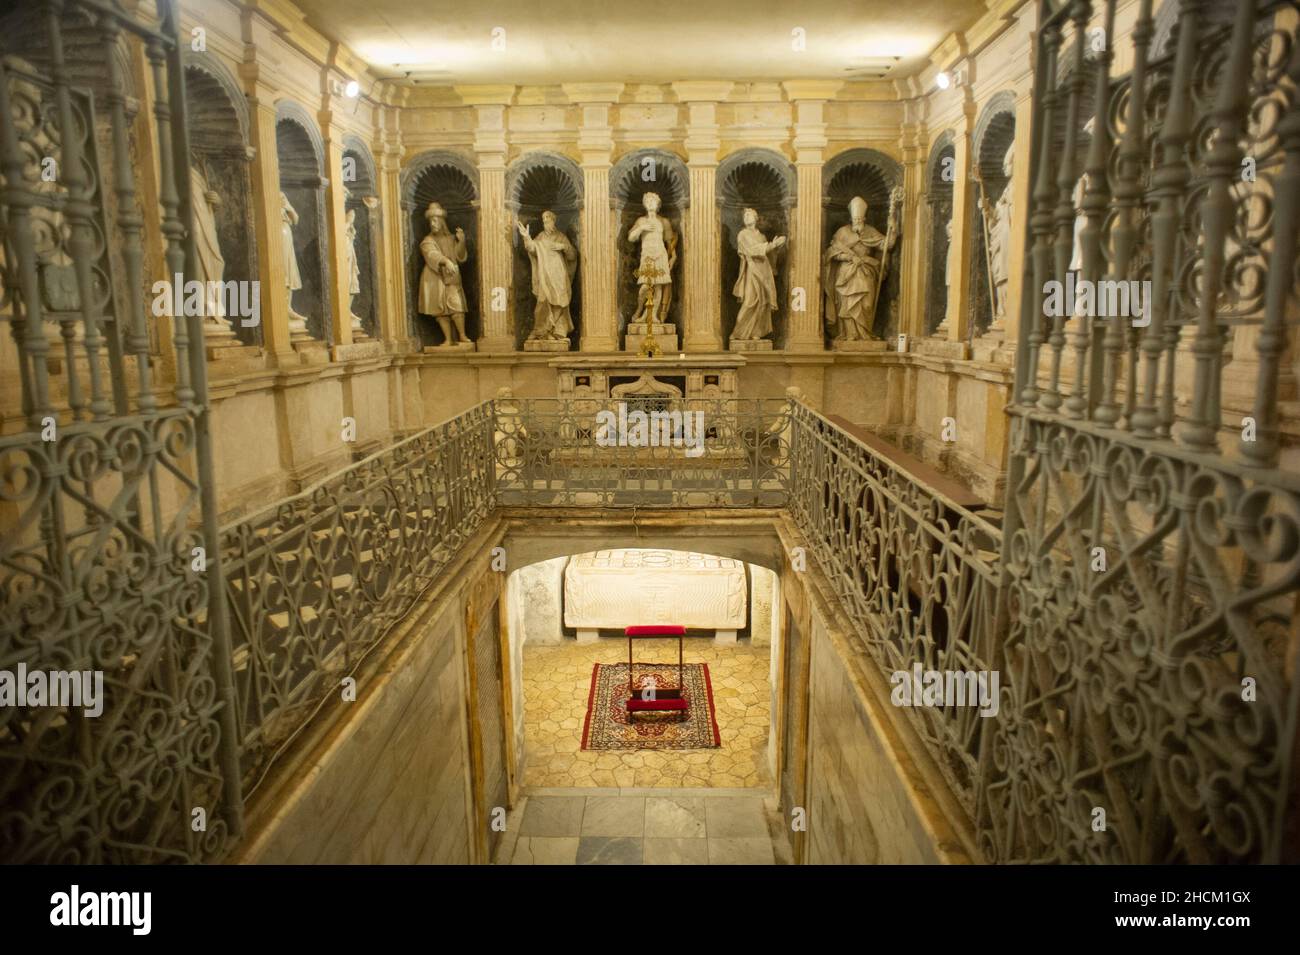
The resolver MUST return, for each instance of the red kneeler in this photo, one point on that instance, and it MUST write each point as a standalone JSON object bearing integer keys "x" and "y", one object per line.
{"x": 666, "y": 698}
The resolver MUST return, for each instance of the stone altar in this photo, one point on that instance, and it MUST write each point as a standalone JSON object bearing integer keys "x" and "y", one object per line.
{"x": 613, "y": 589}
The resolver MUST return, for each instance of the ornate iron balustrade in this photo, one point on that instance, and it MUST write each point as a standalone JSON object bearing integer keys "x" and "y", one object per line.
{"x": 1151, "y": 574}
{"x": 316, "y": 581}
{"x": 107, "y": 556}
{"x": 915, "y": 572}
{"x": 690, "y": 452}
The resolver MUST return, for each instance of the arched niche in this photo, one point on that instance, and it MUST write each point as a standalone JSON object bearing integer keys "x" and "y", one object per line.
{"x": 361, "y": 198}
{"x": 635, "y": 174}
{"x": 762, "y": 180}
{"x": 535, "y": 183}
{"x": 302, "y": 179}
{"x": 452, "y": 181}
{"x": 219, "y": 150}
{"x": 940, "y": 173}
{"x": 873, "y": 176}
{"x": 995, "y": 131}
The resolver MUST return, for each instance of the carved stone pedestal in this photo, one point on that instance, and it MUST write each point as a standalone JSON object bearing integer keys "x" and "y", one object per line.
{"x": 233, "y": 358}
{"x": 993, "y": 348}
{"x": 312, "y": 352}
{"x": 941, "y": 348}
{"x": 547, "y": 344}
{"x": 665, "y": 335}
{"x": 751, "y": 344}
{"x": 850, "y": 345}
{"x": 455, "y": 346}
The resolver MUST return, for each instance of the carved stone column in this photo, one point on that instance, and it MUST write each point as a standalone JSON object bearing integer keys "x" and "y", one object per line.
{"x": 599, "y": 271}
{"x": 956, "y": 323}
{"x": 911, "y": 316}
{"x": 703, "y": 303}
{"x": 809, "y": 98}
{"x": 394, "y": 323}
{"x": 495, "y": 260}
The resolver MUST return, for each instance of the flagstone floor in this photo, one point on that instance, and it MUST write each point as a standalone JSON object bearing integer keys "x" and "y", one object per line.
{"x": 557, "y": 682}
{"x": 643, "y": 827}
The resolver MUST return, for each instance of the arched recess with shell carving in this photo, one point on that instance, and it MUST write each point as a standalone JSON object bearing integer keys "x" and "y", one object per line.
{"x": 538, "y": 182}
{"x": 451, "y": 180}
{"x": 635, "y": 174}
{"x": 995, "y": 132}
{"x": 302, "y": 179}
{"x": 764, "y": 180}
{"x": 874, "y": 176}
{"x": 221, "y": 155}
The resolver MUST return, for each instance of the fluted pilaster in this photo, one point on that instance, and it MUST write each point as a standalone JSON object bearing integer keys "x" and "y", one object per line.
{"x": 702, "y": 240}
{"x": 809, "y": 97}
{"x": 599, "y": 267}
{"x": 598, "y": 323}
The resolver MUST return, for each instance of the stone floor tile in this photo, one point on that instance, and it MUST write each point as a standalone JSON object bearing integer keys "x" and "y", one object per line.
{"x": 674, "y": 816}
{"x": 735, "y": 817}
{"x": 609, "y": 850}
{"x": 553, "y": 816}
{"x": 744, "y": 851}
{"x": 676, "y": 852}
{"x": 544, "y": 850}
{"x": 614, "y": 816}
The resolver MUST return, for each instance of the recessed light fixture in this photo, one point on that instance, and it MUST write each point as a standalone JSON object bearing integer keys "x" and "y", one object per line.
{"x": 943, "y": 80}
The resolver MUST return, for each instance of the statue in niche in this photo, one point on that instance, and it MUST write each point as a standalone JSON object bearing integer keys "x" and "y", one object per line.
{"x": 1080, "y": 218}
{"x": 854, "y": 268}
{"x": 441, "y": 293}
{"x": 658, "y": 256}
{"x": 554, "y": 260}
{"x": 948, "y": 258}
{"x": 755, "y": 286}
{"x": 352, "y": 268}
{"x": 292, "y": 277}
{"x": 212, "y": 265}
{"x": 997, "y": 230}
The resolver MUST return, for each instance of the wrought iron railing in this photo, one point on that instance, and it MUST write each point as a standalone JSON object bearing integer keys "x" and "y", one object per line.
{"x": 915, "y": 572}
{"x": 316, "y": 581}
{"x": 107, "y": 504}
{"x": 1152, "y": 539}
{"x": 635, "y": 453}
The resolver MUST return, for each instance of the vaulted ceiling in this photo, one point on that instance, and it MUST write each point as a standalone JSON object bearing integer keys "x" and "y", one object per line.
{"x": 639, "y": 41}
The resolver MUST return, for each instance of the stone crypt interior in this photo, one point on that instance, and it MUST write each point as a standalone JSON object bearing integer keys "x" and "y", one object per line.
{"x": 368, "y": 369}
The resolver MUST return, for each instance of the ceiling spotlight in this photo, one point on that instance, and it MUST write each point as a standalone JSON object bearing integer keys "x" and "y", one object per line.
{"x": 943, "y": 80}
{"x": 352, "y": 89}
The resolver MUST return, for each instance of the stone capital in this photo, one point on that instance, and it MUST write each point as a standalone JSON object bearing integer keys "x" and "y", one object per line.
{"x": 703, "y": 91}
{"x": 592, "y": 92}
{"x": 499, "y": 94}
{"x": 812, "y": 89}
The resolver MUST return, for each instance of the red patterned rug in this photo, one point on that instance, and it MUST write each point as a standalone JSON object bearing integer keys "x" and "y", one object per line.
{"x": 607, "y": 725}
